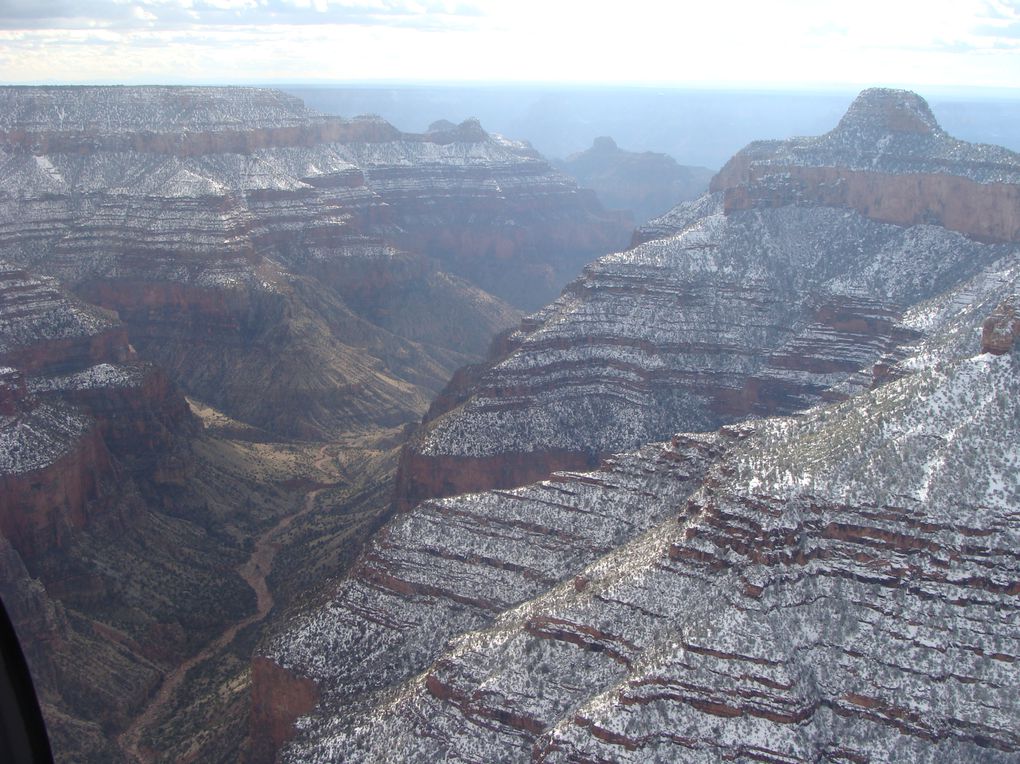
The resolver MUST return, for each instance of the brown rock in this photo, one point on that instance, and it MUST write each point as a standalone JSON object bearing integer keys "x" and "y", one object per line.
{"x": 1000, "y": 330}
{"x": 278, "y": 699}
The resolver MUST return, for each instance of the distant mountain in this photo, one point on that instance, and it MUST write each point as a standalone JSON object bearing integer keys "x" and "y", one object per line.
{"x": 647, "y": 184}
{"x": 696, "y": 126}
{"x": 819, "y": 569}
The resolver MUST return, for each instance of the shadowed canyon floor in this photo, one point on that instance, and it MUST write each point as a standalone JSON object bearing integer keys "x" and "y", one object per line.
{"x": 175, "y": 725}
{"x": 255, "y": 572}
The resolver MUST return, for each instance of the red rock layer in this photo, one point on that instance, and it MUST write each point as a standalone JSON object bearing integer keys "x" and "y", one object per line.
{"x": 423, "y": 476}
{"x": 984, "y": 211}
{"x": 279, "y": 697}
{"x": 1001, "y": 329}
{"x": 40, "y": 509}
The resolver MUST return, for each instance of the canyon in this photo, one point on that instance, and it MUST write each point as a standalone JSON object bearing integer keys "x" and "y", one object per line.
{"x": 288, "y": 473}
{"x": 775, "y": 510}
{"x": 218, "y": 310}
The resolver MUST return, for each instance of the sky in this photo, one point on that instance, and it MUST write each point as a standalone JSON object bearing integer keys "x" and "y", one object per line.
{"x": 954, "y": 44}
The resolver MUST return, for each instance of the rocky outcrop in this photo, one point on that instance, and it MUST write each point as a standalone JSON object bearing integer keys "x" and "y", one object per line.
{"x": 889, "y": 160}
{"x": 279, "y": 698}
{"x": 1001, "y": 328}
{"x": 52, "y": 455}
{"x": 647, "y": 184}
{"x": 839, "y": 586}
{"x": 721, "y": 311}
{"x": 54, "y": 463}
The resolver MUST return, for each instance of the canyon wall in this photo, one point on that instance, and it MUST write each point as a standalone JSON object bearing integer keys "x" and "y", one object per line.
{"x": 784, "y": 284}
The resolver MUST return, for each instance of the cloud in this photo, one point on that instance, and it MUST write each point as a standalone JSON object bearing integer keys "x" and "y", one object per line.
{"x": 171, "y": 14}
{"x": 895, "y": 42}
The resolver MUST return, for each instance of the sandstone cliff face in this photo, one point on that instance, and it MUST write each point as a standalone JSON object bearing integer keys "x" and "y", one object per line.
{"x": 889, "y": 160}
{"x": 53, "y": 455}
{"x": 1000, "y": 330}
{"x": 745, "y": 302}
{"x": 838, "y": 586}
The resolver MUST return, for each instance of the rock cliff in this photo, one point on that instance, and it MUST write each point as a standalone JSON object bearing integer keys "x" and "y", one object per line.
{"x": 72, "y": 390}
{"x": 725, "y": 310}
{"x": 888, "y": 159}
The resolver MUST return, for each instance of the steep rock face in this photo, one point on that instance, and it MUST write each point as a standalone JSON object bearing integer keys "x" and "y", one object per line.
{"x": 647, "y": 184}
{"x": 58, "y": 352}
{"x": 55, "y": 461}
{"x": 721, "y": 311}
{"x": 842, "y": 586}
{"x": 228, "y": 225}
{"x": 887, "y": 159}
{"x": 278, "y": 699}
{"x": 1000, "y": 330}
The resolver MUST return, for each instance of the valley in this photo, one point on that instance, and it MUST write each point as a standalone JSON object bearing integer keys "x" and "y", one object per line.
{"x": 323, "y": 441}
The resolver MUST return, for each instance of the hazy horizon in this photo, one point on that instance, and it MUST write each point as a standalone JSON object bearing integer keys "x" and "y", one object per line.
{"x": 964, "y": 46}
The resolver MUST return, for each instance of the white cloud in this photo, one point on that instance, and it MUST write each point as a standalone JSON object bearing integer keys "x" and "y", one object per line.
{"x": 904, "y": 42}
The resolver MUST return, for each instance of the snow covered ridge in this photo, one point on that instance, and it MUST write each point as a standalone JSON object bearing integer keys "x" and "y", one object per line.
{"x": 842, "y": 586}
{"x": 890, "y": 131}
{"x": 197, "y": 121}
{"x": 112, "y": 110}
{"x": 101, "y": 375}
{"x": 656, "y": 339}
{"x": 34, "y": 308}
{"x": 38, "y": 437}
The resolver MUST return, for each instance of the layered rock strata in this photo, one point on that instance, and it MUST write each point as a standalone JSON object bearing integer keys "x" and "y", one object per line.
{"x": 838, "y": 587}
{"x": 888, "y": 159}
{"x": 725, "y": 310}
{"x": 231, "y": 227}
{"x": 453, "y": 565}
{"x": 72, "y": 390}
